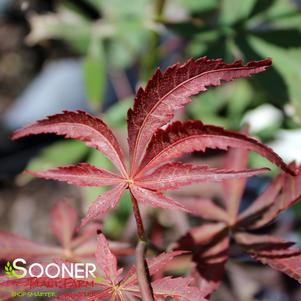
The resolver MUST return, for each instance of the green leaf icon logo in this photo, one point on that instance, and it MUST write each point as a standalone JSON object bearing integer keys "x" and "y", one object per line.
{"x": 8, "y": 270}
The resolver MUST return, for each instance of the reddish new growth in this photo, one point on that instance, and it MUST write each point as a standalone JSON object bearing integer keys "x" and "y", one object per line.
{"x": 152, "y": 149}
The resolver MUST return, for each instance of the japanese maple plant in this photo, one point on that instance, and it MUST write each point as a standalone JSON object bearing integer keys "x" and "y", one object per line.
{"x": 209, "y": 243}
{"x": 154, "y": 148}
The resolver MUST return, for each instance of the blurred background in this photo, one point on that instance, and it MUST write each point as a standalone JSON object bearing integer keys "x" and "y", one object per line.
{"x": 93, "y": 54}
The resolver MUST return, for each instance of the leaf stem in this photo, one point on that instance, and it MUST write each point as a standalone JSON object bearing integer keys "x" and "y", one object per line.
{"x": 140, "y": 227}
{"x": 143, "y": 275}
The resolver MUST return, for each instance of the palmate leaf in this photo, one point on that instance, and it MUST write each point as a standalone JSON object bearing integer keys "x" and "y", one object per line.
{"x": 154, "y": 106}
{"x": 282, "y": 193}
{"x": 209, "y": 245}
{"x": 169, "y": 91}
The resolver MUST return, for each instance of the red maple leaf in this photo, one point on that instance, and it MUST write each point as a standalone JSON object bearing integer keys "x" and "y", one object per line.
{"x": 152, "y": 149}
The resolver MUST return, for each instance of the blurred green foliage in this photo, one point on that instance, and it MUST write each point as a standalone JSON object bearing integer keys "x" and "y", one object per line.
{"x": 249, "y": 30}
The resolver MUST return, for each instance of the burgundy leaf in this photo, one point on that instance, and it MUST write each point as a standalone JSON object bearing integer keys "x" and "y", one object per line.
{"x": 63, "y": 218}
{"x": 200, "y": 235}
{"x": 181, "y": 138}
{"x": 209, "y": 244}
{"x": 155, "y": 198}
{"x": 167, "y": 92}
{"x": 178, "y": 288}
{"x": 86, "y": 234}
{"x": 13, "y": 246}
{"x": 290, "y": 194}
{"x": 259, "y": 243}
{"x": 87, "y": 249}
{"x": 106, "y": 261}
{"x": 236, "y": 159}
{"x": 204, "y": 208}
{"x": 82, "y": 174}
{"x": 83, "y": 295}
{"x": 211, "y": 261}
{"x": 263, "y": 202}
{"x": 154, "y": 265}
{"x": 82, "y": 126}
{"x": 84, "y": 245}
{"x": 174, "y": 175}
{"x": 103, "y": 203}
{"x": 276, "y": 253}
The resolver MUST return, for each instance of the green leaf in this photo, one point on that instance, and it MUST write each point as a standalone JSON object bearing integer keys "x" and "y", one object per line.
{"x": 282, "y": 38}
{"x": 117, "y": 10}
{"x": 97, "y": 4}
{"x": 67, "y": 24}
{"x": 115, "y": 115}
{"x": 233, "y": 98}
{"x": 99, "y": 160}
{"x": 115, "y": 223}
{"x": 288, "y": 65}
{"x": 233, "y": 11}
{"x": 94, "y": 68}
{"x": 197, "y": 6}
{"x": 59, "y": 153}
{"x": 280, "y": 8}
